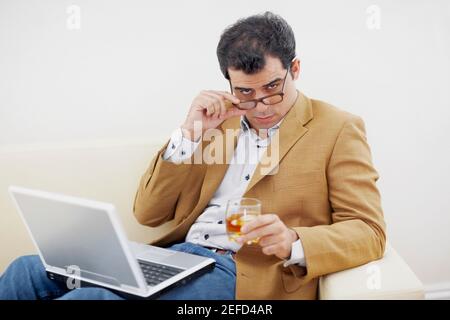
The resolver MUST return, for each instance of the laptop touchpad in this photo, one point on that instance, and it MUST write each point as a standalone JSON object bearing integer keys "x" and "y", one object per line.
{"x": 159, "y": 255}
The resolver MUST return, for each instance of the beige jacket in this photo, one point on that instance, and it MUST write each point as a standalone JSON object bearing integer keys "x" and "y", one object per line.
{"x": 324, "y": 188}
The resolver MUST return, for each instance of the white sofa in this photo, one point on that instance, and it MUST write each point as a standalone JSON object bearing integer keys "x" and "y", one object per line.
{"x": 110, "y": 171}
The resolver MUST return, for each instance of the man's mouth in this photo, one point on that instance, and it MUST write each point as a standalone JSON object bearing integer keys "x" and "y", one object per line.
{"x": 264, "y": 119}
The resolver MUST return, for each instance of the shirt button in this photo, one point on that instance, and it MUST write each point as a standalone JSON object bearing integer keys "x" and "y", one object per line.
{"x": 206, "y": 236}
{"x": 247, "y": 177}
{"x": 173, "y": 146}
{"x": 220, "y": 222}
{"x": 183, "y": 153}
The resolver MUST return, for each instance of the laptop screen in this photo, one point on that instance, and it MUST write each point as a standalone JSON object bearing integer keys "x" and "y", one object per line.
{"x": 73, "y": 236}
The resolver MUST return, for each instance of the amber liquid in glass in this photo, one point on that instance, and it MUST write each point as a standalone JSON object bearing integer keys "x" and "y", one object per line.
{"x": 235, "y": 222}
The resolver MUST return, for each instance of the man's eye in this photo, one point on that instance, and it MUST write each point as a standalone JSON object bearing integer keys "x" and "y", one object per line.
{"x": 245, "y": 91}
{"x": 272, "y": 86}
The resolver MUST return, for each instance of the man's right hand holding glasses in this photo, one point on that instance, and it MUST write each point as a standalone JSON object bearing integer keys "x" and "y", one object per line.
{"x": 211, "y": 108}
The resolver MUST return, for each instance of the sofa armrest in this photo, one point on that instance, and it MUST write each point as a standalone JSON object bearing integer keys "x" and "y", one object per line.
{"x": 387, "y": 278}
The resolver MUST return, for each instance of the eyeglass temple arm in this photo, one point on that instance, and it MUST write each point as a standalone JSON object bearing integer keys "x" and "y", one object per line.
{"x": 231, "y": 87}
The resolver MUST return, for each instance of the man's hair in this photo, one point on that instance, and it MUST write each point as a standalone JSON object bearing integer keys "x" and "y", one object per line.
{"x": 245, "y": 44}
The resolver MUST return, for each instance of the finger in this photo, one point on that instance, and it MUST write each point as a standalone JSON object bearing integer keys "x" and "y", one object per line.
{"x": 221, "y": 100}
{"x": 270, "y": 250}
{"x": 217, "y": 107}
{"x": 270, "y": 240}
{"x": 210, "y": 105}
{"x": 259, "y": 221}
{"x": 227, "y": 96}
{"x": 209, "y": 110}
{"x": 266, "y": 230}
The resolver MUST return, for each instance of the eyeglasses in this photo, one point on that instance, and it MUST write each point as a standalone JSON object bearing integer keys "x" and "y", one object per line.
{"x": 267, "y": 100}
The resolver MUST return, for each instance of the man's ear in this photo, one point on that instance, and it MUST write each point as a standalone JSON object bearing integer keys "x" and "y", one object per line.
{"x": 295, "y": 69}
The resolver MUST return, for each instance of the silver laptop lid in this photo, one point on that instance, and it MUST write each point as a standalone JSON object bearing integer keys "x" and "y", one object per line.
{"x": 70, "y": 231}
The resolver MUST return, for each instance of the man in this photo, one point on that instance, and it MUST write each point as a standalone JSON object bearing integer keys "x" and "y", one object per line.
{"x": 307, "y": 162}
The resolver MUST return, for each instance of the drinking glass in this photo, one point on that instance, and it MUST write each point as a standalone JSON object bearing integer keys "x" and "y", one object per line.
{"x": 238, "y": 212}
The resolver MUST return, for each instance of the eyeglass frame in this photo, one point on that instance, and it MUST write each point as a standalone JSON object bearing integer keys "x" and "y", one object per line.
{"x": 256, "y": 101}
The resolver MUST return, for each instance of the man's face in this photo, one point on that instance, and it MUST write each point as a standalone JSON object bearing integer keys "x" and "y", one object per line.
{"x": 266, "y": 82}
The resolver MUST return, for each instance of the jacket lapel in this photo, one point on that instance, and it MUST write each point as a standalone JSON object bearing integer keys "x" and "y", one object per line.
{"x": 291, "y": 130}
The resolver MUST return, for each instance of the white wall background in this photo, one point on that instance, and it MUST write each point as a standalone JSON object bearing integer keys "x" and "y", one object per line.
{"x": 133, "y": 68}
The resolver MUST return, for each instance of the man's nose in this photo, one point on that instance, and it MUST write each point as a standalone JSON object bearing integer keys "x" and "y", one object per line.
{"x": 261, "y": 107}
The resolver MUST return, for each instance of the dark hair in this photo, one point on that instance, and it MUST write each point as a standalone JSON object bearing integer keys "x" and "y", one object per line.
{"x": 244, "y": 45}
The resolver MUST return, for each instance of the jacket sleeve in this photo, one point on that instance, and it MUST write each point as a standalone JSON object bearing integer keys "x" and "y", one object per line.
{"x": 159, "y": 190}
{"x": 357, "y": 233}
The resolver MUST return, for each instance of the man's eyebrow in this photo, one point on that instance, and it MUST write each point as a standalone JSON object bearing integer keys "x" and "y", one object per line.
{"x": 272, "y": 82}
{"x": 266, "y": 85}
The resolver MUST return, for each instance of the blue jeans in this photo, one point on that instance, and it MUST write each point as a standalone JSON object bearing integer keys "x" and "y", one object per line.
{"x": 26, "y": 279}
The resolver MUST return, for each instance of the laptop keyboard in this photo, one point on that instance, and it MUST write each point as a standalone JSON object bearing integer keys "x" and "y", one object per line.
{"x": 156, "y": 273}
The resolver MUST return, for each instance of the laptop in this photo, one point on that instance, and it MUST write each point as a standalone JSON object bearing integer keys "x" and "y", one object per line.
{"x": 83, "y": 243}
